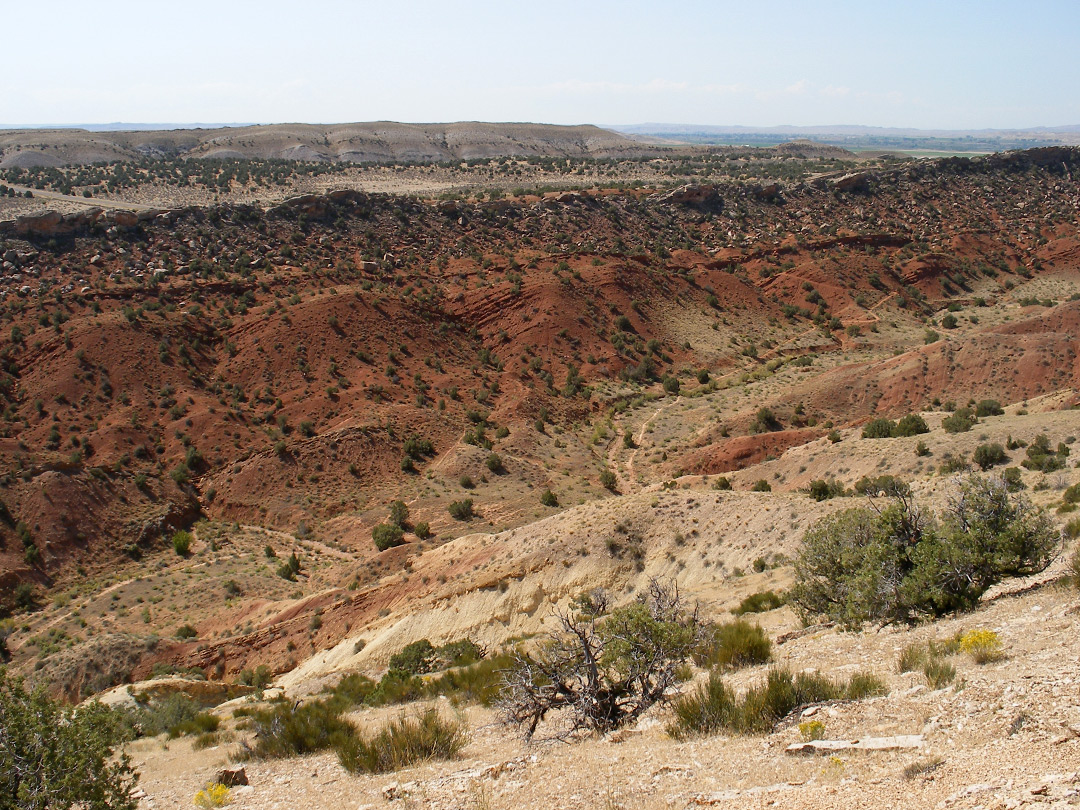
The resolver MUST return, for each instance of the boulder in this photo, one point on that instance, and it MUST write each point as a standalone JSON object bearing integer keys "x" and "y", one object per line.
{"x": 853, "y": 183}
{"x": 769, "y": 193}
{"x": 231, "y": 777}
{"x": 691, "y": 194}
{"x": 125, "y": 219}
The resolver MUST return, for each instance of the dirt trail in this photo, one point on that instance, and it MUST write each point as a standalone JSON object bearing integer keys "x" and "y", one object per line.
{"x": 627, "y": 483}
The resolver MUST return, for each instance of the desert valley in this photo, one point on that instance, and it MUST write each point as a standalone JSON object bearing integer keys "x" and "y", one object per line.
{"x": 314, "y": 435}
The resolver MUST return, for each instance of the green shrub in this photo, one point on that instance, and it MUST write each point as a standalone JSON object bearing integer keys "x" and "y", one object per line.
{"x": 765, "y": 421}
{"x": 25, "y": 596}
{"x": 760, "y": 603}
{"x": 988, "y": 407}
{"x": 733, "y": 645}
{"x": 181, "y": 543}
{"x": 480, "y": 682}
{"x": 416, "y": 448}
{"x": 822, "y": 490}
{"x": 888, "y": 485}
{"x": 761, "y": 485}
{"x": 608, "y": 480}
{"x": 399, "y": 514}
{"x": 1013, "y": 479}
{"x": 352, "y": 690}
{"x": 415, "y": 658}
{"x": 186, "y": 631}
{"x": 54, "y": 756}
{"x": 900, "y": 563}
{"x": 285, "y": 730}
{"x": 396, "y": 687}
{"x": 879, "y": 429}
{"x": 494, "y": 463}
{"x": 989, "y": 455}
{"x": 911, "y": 425}
{"x": 722, "y": 483}
{"x": 1072, "y": 528}
{"x": 461, "y": 510}
{"x": 549, "y": 498}
{"x": 200, "y": 723}
{"x": 951, "y": 464}
{"x": 710, "y": 708}
{"x": 1042, "y": 458}
{"x": 175, "y": 714}
{"x": 387, "y": 535}
{"x": 422, "y": 530}
{"x": 458, "y": 653}
{"x": 290, "y": 568}
{"x": 961, "y": 421}
{"x": 607, "y": 668}
{"x": 260, "y": 677}
{"x": 403, "y": 742}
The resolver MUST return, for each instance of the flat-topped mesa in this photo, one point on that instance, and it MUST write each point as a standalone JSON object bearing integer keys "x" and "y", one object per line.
{"x": 373, "y": 142}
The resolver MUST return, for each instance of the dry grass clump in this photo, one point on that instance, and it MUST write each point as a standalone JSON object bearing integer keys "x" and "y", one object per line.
{"x": 714, "y": 706}
{"x": 931, "y": 659}
{"x": 404, "y": 741}
{"x": 983, "y": 646}
{"x": 733, "y": 645}
{"x": 760, "y": 602}
{"x": 288, "y": 731}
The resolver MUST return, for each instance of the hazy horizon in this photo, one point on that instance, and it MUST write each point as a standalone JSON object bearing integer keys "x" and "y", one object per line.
{"x": 149, "y": 126}
{"x": 923, "y": 65}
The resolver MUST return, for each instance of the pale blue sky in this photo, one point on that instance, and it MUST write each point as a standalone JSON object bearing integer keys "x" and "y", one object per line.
{"x": 991, "y": 64}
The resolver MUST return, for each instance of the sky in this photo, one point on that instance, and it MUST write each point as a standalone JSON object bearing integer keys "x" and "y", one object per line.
{"x": 946, "y": 64}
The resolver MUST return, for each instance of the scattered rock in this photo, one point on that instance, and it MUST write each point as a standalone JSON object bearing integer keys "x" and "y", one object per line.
{"x": 864, "y": 744}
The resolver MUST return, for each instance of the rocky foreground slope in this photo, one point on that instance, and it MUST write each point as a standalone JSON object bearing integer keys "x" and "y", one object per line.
{"x": 1004, "y": 734}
